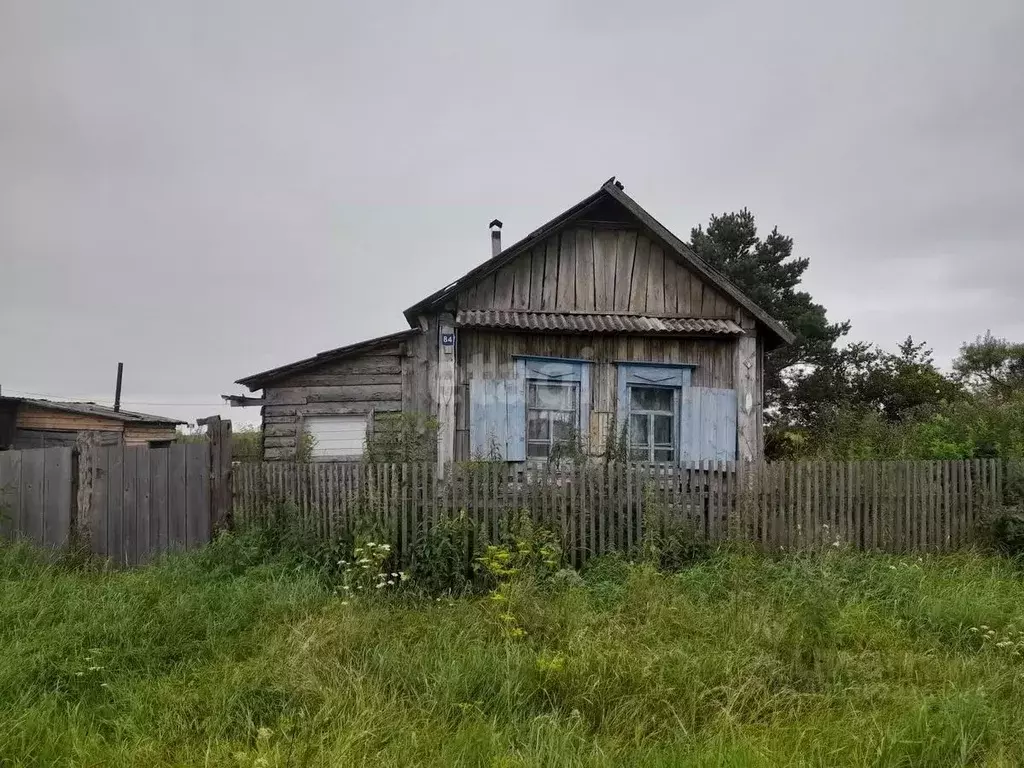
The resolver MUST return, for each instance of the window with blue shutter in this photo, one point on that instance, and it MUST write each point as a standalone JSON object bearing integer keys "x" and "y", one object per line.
{"x": 544, "y": 407}
{"x": 667, "y": 420}
{"x": 650, "y": 401}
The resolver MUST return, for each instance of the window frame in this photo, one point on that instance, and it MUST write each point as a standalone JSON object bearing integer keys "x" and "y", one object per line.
{"x": 652, "y": 447}
{"x": 558, "y": 371}
{"x": 367, "y": 420}
{"x": 670, "y": 376}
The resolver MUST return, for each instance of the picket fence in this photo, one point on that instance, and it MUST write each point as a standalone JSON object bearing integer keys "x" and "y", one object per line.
{"x": 897, "y": 506}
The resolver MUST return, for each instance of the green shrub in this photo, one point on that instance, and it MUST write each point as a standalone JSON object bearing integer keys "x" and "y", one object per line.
{"x": 439, "y": 562}
{"x": 525, "y": 552}
{"x": 1006, "y": 531}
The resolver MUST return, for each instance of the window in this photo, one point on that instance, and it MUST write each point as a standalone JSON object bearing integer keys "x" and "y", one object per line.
{"x": 552, "y": 416}
{"x": 652, "y": 423}
{"x": 557, "y": 394}
{"x": 650, "y": 407}
{"x": 336, "y": 437}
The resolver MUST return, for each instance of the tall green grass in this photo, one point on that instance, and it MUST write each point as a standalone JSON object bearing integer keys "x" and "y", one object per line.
{"x": 218, "y": 659}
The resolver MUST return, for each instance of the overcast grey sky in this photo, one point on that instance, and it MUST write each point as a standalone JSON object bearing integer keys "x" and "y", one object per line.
{"x": 207, "y": 189}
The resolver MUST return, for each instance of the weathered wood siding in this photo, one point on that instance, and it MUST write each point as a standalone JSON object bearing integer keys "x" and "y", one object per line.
{"x": 144, "y": 434}
{"x": 489, "y": 355}
{"x": 33, "y": 417}
{"x": 369, "y": 383}
{"x": 599, "y": 269}
{"x": 43, "y": 427}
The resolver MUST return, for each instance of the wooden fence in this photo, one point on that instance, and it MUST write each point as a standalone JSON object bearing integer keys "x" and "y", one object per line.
{"x": 889, "y": 506}
{"x": 35, "y": 495}
{"x": 149, "y": 501}
{"x": 128, "y": 504}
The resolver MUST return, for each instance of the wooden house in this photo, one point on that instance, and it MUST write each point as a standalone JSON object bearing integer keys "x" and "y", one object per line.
{"x": 28, "y": 423}
{"x": 599, "y": 326}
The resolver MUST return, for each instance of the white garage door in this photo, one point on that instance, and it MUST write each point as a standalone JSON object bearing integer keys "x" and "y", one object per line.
{"x": 337, "y": 437}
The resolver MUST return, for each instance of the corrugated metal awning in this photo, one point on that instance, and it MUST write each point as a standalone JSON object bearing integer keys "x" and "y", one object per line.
{"x": 593, "y": 323}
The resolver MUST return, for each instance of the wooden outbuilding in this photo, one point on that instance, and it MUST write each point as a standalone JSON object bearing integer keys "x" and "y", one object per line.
{"x": 29, "y": 423}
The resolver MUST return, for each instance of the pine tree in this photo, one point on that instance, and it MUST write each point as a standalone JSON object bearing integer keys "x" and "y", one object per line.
{"x": 769, "y": 274}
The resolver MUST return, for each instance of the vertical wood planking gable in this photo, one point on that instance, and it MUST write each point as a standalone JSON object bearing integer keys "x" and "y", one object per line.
{"x": 549, "y": 294}
{"x": 504, "y": 283}
{"x": 671, "y": 307}
{"x": 537, "y": 277}
{"x": 682, "y": 278}
{"x": 604, "y": 270}
{"x": 656, "y": 281}
{"x": 566, "y": 294}
{"x": 597, "y": 269}
{"x": 585, "y": 288}
{"x": 625, "y": 250}
{"x": 696, "y": 297}
{"x": 523, "y": 272}
{"x": 641, "y": 267}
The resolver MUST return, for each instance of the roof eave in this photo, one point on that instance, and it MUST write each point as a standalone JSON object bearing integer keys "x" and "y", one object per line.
{"x": 260, "y": 380}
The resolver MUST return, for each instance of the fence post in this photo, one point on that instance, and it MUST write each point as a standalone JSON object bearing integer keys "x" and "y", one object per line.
{"x": 84, "y": 461}
{"x": 219, "y": 432}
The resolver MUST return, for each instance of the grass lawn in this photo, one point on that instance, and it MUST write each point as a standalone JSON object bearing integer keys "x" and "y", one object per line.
{"x": 741, "y": 660}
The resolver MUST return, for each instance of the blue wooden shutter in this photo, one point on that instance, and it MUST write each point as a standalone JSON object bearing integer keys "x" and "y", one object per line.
{"x": 497, "y": 419}
{"x": 515, "y": 419}
{"x": 708, "y": 424}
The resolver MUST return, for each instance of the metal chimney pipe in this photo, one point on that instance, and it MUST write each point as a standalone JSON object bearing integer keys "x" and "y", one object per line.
{"x": 117, "y": 388}
{"x": 495, "y": 237}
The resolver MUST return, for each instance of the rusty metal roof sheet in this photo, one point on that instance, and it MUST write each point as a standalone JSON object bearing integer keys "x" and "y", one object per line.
{"x": 593, "y": 323}
{"x": 93, "y": 409}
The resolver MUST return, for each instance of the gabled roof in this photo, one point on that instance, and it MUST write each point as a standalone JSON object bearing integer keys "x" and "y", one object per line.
{"x": 675, "y": 248}
{"x": 259, "y": 380}
{"x": 92, "y": 409}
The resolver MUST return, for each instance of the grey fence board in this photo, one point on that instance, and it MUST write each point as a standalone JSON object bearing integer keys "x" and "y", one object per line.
{"x": 176, "y": 507}
{"x": 129, "y": 507}
{"x": 35, "y": 495}
{"x": 114, "y": 506}
{"x": 159, "y": 490}
{"x": 197, "y": 496}
{"x": 33, "y": 498}
{"x": 57, "y": 495}
{"x": 143, "y": 510}
{"x": 10, "y": 493}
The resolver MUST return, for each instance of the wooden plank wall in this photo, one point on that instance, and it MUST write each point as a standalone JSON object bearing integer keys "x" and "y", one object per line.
{"x": 150, "y": 501}
{"x": 35, "y": 495}
{"x": 490, "y": 355}
{"x": 367, "y": 383}
{"x": 912, "y": 506}
{"x": 598, "y": 269}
